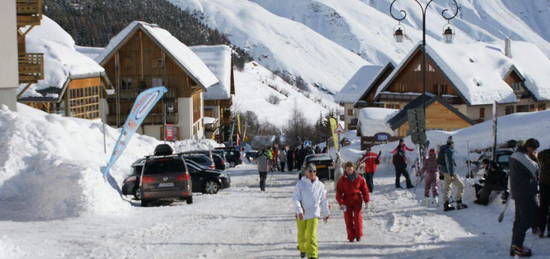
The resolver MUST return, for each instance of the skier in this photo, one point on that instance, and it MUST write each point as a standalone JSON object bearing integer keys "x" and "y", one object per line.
{"x": 310, "y": 204}
{"x": 447, "y": 165}
{"x": 495, "y": 179}
{"x": 523, "y": 186}
{"x": 431, "y": 178}
{"x": 300, "y": 154}
{"x": 282, "y": 159}
{"x": 401, "y": 146}
{"x": 371, "y": 161}
{"x": 351, "y": 191}
{"x": 263, "y": 167}
{"x": 290, "y": 158}
{"x": 544, "y": 217}
{"x": 275, "y": 157}
{"x": 400, "y": 164}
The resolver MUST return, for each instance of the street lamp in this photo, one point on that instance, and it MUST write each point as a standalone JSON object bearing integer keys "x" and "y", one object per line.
{"x": 448, "y": 34}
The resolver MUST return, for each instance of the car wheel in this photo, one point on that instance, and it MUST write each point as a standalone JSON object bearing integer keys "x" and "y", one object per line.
{"x": 211, "y": 187}
{"x": 190, "y": 200}
{"x": 137, "y": 194}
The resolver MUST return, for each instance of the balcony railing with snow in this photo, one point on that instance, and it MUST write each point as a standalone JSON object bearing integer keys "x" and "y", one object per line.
{"x": 29, "y": 12}
{"x": 31, "y": 67}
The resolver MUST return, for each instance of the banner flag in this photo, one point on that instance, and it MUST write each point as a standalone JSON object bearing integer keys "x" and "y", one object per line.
{"x": 333, "y": 125}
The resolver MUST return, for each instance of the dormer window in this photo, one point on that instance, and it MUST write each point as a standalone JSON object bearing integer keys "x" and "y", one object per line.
{"x": 517, "y": 86}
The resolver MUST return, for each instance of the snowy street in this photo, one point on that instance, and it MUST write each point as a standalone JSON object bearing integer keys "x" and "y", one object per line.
{"x": 242, "y": 222}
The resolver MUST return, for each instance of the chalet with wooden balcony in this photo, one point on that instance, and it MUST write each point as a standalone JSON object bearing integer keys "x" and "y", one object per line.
{"x": 72, "y": 83}
{"x": 144, "y": 55}
{"x": 31, "y": 65}
{"x": 470, "y": 77}
{"x": 219, "y": 97}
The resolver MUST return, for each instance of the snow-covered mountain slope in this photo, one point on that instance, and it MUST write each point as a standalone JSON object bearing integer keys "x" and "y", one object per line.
{"x": 272, "y": 99}
{"x": 365, "y": 26}
{"x": 278, "y": 43}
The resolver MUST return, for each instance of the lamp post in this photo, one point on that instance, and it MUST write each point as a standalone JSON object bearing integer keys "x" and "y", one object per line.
{"x": 448, "y": 35}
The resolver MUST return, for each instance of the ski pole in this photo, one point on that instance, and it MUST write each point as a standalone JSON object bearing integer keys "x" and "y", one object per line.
{"x": 501, "y": 216}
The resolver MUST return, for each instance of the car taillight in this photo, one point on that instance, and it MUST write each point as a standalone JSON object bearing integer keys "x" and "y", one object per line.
{"x": 183, "y": 177}
{"x": 148, "y": 179}
{"x": 212, "y": 167}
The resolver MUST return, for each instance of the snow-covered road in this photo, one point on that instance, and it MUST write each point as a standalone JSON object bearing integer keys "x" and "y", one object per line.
{"x": 242, "y": 222}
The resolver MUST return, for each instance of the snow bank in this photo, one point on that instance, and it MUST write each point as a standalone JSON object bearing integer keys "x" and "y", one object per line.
{"x": 375, "y": 120}
{"x": 51, "y": 166}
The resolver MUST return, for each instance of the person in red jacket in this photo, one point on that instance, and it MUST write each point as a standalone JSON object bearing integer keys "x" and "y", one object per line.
{"x": 371, "y": 161}
{"x": 351, "y": 191}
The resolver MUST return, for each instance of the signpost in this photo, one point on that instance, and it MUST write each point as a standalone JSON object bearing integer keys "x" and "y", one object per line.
{"x": 417, "y": 129}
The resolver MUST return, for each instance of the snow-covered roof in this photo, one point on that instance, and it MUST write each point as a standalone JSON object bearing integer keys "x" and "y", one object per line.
{"x": 358, "y": 84}
{"x": 61, "y": 59}
{"x": 375, "y": 120}
{"x": 218, "y": 59}
{"x": 179, "y": 52}
{"x": 91, "y": 52}
{"x": 477, "y": 70}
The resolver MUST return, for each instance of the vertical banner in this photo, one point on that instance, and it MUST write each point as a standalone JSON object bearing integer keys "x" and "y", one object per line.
{"x": 144, "y": 103}
{"x": 495, "y": 127}
{"x": 333, "y": 124}
{"x": 170, "y": 132}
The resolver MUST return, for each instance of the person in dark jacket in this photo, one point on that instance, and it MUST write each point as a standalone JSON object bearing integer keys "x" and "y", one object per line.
{"x": 524, "y": 171}
{"x": 400, "y": 164}
{"x": 544, "y": 191}
{"x": 300, "y": 154}
{"x": 448, "y": 165}
{"x": 290, "y": 158}
{"x": 495, "y": 179}
{"x": 263, "y": 167}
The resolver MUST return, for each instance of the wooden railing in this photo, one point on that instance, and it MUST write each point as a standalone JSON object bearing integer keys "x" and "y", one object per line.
{"x": 134, "y": 92}
{"x": 31, "y": 67}
{"x": 29, "y": 12}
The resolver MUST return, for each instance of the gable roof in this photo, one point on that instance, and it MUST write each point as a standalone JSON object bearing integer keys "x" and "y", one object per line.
{"x": 179, "y": 52}
{"x": 401, "y": 117}
{"x": 358, "y": 84}
{"x": 62, "y": 62}
{"x": 218, "y": 59}
{"x": 476, "y": 70}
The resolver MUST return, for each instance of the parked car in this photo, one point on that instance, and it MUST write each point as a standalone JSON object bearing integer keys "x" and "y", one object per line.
{"x": 201, "y": 160}
{"x": 219, "y": 162}
{"x": 207, "y": 180}
{"x": 232, "y": 155}
{"x": 503, "y": 156}
{"x": 251, "y": 155}
{"x": 324, "y": 164}
{"x": 157, "y": 178}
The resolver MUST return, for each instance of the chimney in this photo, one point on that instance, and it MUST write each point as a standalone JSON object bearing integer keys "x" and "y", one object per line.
{"x": 508, "y": 47}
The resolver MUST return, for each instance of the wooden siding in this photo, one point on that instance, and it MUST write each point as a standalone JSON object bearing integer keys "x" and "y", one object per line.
{"x": 438, "y": 117}
{"x": 86, "y": 82}
{"x": 197, "y": 103}
{"x": 409, "y": 78}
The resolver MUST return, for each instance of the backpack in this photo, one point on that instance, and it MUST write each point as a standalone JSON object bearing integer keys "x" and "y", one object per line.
{"x": 163, "y": 150}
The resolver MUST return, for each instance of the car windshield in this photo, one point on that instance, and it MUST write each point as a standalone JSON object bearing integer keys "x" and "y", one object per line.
{"x": 194, "y": 164}
{"x": 164, "y": 165}
{"x": 319, "y": 158}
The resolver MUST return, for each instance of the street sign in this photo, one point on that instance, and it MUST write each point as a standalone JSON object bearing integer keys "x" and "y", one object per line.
{"x": 417, "y": 125}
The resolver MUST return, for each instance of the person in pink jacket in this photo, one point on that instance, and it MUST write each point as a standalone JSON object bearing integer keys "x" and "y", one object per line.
{"x": 430, "y": 169}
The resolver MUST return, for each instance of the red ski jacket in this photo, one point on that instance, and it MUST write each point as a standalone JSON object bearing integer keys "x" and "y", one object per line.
{"x": 371, "y": 162}
{"x": 352, "y": 193}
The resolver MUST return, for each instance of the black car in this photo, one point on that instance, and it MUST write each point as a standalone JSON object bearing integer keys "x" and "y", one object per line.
{"x": 207, "y": 180}
{"x": 219, "y": 161}
{"x": 156, "y": 178}
{"x": 201, "y": 160}
{"x": 232, "y": 155}
{"x": 324, "y": 164}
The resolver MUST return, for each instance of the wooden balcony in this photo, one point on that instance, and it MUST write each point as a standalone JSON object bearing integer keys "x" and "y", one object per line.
{"x": 31, "y": 67}
{"x": 151, "y": 119}
{"x": 29, "y": 12}
{"x": 132, "y": 94}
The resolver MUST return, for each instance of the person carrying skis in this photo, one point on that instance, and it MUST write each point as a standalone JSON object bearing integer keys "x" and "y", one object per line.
{"x": 544, "y": 217}
{"x": 430, "y": 170}
{"x": 400, "y": 164}
{"x": 371, "y": 161}
{"x": 447, "y": 165}
{"x": 524, "y": 171}
{"x": 351, "y": 191}
{"x": 310, "y": 203}
{"x": 263, "y": 167}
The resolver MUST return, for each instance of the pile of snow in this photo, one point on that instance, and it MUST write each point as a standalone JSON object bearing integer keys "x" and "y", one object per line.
{"x": 51, "y": 165}
{"x": 256, "y": 85}
{"x": 375, "y": 120}
{"x": 278, "y": 43}
{"x": 61, "y": 59}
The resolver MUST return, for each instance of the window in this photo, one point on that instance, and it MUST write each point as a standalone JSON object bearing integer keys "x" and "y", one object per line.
{"x": 522, "y": 108}
{"x": 509, "y": 110}
{"x": 84, "y": 102}
{"x": 517, "y": 86}
{"x": 350, "y": 112}
{"x": 482, "y": 113}
{"x": 542, "y": 106}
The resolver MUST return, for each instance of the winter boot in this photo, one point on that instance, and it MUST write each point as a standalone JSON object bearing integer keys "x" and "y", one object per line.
{"x": 426, "y": 201}
{"x": 460, "y": 205}
{"x": 435, "y": 201}
{"x": 447, "y": 206}
{"x": 302, "y": 255}
{"x": 520, "y": 251}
